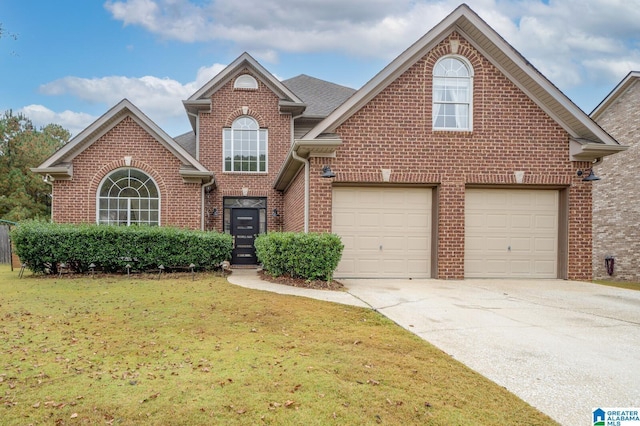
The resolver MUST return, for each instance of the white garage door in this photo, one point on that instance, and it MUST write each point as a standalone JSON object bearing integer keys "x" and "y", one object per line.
{"x": 386, "y": 232}
{"x": 511, "y": 233}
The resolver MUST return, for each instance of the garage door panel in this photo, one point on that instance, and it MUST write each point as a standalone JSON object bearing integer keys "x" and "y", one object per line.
{"x": 367, "y": 243}
{"x": 418, "y": 267}
{"x": 494, "y": 198}
{"x": 349, "y": 242}
{"x": 497, "y": 268}
{"x": 398, "y": 219}
{"x": 522, "y": 244}
{"x": 475, "y": 221}
{"x": 416, "y": 244}
{"x": 368, "y": 198}
{"x": 511, "y": 233}
{"x": 547, "y": 222}
{"x": 366, "y": 266}
{"x": 393, "y": 220}
{"x": 520, "y": 267}
{"x": 475, "y": 244}
{"x": 547, "y": 199}
{"x": 545, "y": 244}
{"x": 345, "y": 219}
{"x": 521, "y": 221}
{"x": 394, "y": 243}
{"x": 368, "y": 219}
{"x": 348, "y": 266}
{"x": 495, "y": 221}
{"x": 494, "y": 244}
{"x": 545, "y": 267}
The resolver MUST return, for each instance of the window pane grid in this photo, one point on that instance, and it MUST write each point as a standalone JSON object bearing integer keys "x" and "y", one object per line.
{"x": 128, "y": 197}
{"x": 451, "y": 95}
{"x": 245, "y": 146}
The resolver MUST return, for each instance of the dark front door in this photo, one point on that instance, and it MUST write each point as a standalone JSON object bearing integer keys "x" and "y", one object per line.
{"x": 244, "y": 228}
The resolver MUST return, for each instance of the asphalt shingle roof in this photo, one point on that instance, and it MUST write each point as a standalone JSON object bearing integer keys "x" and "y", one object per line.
{"x": 188, "y": 142}
{"x": 321, "y": 97}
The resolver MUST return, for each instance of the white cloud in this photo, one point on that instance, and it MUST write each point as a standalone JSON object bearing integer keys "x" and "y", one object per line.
{"x": 564, "y": 39}
{"x": 41, "y": 116}
{"x": 159, "y": 98}
{"x": 574, "y": 42}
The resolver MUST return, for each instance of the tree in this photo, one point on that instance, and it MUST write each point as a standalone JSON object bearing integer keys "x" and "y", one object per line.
{"x": 5, "y": 34}
{"x": 23, "y": 194}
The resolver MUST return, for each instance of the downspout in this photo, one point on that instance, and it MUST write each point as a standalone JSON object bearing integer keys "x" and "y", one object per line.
{"x": 204, "y": 188}
{"x": 49, "y": 181}
{"x": 306, "y": 188}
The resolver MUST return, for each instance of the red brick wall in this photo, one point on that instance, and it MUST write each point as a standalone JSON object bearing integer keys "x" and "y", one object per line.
{"x": 227, "y": 104}
{"x": 510, "y": 133}
{"x": 74, "y": 201}
{"x": 294, "y": 204}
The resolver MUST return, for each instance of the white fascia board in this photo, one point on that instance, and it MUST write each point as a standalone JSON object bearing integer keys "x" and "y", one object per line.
{"x": 614, "y": 94}
{"x": 245, "y": 59}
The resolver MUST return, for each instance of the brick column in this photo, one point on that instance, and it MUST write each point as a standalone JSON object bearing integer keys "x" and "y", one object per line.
{"x": 451, "y": 229}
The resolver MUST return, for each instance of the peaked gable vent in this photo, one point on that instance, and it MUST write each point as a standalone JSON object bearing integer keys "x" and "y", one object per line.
{"x": 245, "y": 81}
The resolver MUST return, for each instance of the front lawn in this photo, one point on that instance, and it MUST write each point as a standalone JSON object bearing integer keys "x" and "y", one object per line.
{"x": 148, "y": 351}
{"x": 629, "y": 285}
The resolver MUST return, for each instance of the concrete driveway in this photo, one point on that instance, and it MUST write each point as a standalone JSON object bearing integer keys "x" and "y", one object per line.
{"x": 565, "y": 347}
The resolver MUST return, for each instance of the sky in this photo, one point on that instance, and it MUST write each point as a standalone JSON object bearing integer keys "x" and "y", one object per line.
{"x": 69, "y": 61}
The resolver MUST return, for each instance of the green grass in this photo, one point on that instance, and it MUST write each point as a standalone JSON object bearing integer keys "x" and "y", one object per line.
{"x": 619, "y": 284}
{"x": 138, "y": 350}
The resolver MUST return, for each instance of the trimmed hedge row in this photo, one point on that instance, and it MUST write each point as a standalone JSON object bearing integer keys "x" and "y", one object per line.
{"x": 43, "y": 246}
{"x": 312, "y": 256}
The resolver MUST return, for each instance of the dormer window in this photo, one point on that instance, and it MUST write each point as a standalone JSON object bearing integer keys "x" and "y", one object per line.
{"x": 452, "y": 94}
{"x": 245, "y": 81}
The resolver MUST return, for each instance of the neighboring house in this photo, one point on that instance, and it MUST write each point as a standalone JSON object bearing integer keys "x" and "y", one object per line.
{"x": 459, "y": 159}
{"x": 616, "y": 198}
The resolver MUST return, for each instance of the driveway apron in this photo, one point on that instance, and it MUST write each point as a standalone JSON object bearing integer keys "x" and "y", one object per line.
{"x": 565, "y": 347}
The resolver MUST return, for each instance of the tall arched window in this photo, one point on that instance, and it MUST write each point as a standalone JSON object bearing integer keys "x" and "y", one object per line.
{"x": 128, "y": 197}
{"x": 452, "y": 89}
{"x": 245, "y": 146}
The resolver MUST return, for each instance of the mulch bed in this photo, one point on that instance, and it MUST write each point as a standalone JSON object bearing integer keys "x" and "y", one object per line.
{"x": 299, "y": 282}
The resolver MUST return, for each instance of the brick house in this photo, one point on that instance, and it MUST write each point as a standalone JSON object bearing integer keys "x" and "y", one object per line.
{"x": 616, "y": 197}
{"x": 459, "y": 159}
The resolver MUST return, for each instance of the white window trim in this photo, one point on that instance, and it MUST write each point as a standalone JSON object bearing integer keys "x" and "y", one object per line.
{"x": 266, "y": 148}
{"x": 104, "y": 179}
{"x": 469, "y": 128}
{"x": 245, "y": 81}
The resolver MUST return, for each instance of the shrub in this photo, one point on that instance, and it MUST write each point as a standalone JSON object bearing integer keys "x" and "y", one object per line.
{"x": 309, "y": 256}
{"x": 43, "y": 246}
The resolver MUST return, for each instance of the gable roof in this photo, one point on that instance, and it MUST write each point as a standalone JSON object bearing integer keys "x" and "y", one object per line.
{"x": 201, "y": 100}
{"x": 320, "y": 96}
{"x": 502, "y": 55}
{"x": 59, "y": 165}
{"x": 618, "y": 91}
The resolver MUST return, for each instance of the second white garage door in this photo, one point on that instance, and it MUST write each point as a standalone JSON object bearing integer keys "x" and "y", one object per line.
{"x": 386, "y": 232}
{"x": 511, "y": 233}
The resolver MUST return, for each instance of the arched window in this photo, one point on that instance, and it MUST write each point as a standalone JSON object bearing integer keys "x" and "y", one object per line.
{"x": 128, "y": 197}
{"x": 245, "y": 146}
{"x": 452, "y": 89}
{"x": 245, "y": 81}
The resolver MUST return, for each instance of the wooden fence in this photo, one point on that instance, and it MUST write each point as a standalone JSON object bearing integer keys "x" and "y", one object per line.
{"x": 5, "y": 246}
